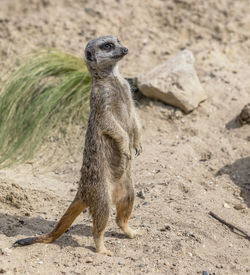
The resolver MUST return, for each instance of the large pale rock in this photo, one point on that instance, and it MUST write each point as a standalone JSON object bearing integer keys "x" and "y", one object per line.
{"x": 174, "y": 82}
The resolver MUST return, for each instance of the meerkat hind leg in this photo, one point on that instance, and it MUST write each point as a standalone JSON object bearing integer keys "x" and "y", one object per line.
{"x": 100, "y": 216}
{"x": 124, "y": 207}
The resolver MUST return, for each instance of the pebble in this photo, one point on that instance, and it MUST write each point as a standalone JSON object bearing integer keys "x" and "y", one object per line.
{"x": 2, "y": 270}
{"x": 140, "y": 195}
{"x": 165, "y": 228}
{"x": 239, "y": 206}
{"x": 226, "y": 205}
{"x": 89, "y": 260}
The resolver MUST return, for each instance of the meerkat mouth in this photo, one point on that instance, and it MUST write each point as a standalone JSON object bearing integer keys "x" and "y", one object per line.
{"x": 117, "y": 56}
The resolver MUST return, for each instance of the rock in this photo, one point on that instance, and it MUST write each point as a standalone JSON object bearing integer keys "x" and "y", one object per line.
{"x": 165, "y": 228}
{"x": 174, "y": 82}
{"x": 89, "y": 260}
{"x": 239, "y": 206}
{"x": 226, "y": 205}
{"x": 244, "y": 117}
{"x": 140, "y": 195}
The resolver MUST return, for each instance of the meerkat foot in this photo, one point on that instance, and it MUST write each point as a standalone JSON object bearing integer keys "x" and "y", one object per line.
{"x": 104, "y": 251}
{"x": 128, "y": 231}
{"x": 100, "y": 248}
{"x": 99, "y": 243}
{"x": 131, "y": 233}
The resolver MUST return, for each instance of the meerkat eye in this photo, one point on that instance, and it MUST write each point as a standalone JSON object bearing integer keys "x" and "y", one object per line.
{"x": 107, "y": 46}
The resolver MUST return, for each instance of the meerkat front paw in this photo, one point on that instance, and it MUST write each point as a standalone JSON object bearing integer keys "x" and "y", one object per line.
{"x": 127, "y": 152}
{"x": 127, "y": 155}
{"x": 138, "y": 149}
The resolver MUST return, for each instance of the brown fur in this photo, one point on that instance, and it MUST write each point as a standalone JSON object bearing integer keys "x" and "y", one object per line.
{"x": 112, "y": 133}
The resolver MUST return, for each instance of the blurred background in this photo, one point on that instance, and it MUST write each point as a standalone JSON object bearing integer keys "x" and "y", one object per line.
{"x": 151, "y": 30}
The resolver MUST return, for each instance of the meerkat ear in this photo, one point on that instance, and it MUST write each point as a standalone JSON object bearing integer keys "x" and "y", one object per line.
{"x": 89, "y": 56}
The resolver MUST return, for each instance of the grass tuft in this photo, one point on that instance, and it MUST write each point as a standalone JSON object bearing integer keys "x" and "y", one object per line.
{"x": 48, "y": 91}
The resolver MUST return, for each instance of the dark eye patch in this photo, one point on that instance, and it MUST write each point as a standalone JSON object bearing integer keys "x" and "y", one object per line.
{"x": 107, "y": 46}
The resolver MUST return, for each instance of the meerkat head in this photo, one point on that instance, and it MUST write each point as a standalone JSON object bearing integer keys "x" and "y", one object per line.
{"x": 103, "y": 53}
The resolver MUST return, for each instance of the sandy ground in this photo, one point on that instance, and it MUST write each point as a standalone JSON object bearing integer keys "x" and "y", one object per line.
{"x": 191, "y": 164}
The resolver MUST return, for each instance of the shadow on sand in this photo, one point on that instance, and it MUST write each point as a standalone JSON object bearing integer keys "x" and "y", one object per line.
{"x": 234, "y": 123}
{"x": 18, "y": 225}
{"x": 239, "y": 173}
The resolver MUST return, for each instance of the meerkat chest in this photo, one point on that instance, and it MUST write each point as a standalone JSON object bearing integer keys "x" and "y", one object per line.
{"x": 121, "y": 107}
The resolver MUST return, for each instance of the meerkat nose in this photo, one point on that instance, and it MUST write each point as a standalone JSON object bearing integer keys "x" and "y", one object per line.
{"x": 124, "y": 50}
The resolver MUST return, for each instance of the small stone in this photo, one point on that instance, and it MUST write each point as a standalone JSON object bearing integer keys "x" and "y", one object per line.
{"x": 165, "y": 228}
{"x": 2, "y": 270}
{"x": 140, "y": 195}
{"x": 239, "y": 206}
{"x": 120, "y": 263}
{"x": 141, "y": 265}
{"x": 226, "y": 205}
{"x": 212, "y": 75}
{"x": 89, "y": 260}
{"x": 244, "y": 117}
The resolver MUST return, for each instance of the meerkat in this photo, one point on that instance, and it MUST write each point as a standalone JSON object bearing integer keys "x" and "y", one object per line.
{"x": 113, "y": 131}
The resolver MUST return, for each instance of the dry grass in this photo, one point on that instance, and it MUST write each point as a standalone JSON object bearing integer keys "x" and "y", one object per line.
{"x": 47, "y": 92}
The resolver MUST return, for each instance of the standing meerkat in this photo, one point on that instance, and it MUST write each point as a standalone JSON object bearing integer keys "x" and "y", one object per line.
{"x": 112, "y": 134}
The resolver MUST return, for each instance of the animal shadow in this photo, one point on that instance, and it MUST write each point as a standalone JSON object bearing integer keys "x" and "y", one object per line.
{"x": 239, "y": 173}
{"x": 16, "y": 225}
{"x": 234, "y": 123}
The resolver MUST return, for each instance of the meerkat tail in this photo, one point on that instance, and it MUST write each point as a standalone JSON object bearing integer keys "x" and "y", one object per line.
{"x": 76, "y": 207}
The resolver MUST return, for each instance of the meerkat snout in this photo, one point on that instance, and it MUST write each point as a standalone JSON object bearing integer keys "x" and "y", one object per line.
{"x": 124, "y": 50}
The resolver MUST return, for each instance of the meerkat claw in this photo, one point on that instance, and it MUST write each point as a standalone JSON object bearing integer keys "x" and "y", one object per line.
{"x": 138, "y": 150}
